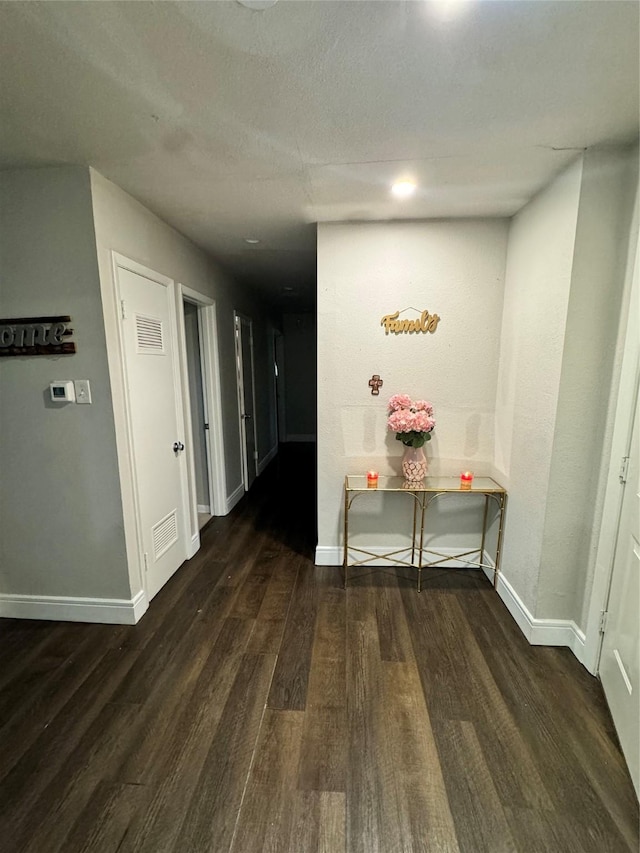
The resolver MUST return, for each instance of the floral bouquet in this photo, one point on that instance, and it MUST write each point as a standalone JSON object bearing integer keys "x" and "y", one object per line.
{"x": 412, "y": 422}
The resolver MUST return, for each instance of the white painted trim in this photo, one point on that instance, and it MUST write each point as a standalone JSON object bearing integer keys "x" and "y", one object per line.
{"x": 119, "y": 262}
{"x": 187, "y": 437}
{"x": 234, "y": 497}
{"x": 194, "y": 545}
{"x": 300, "y": 437}
{"x": 125, "y": 448}
{"x": 328, "y": 555}
{"x": 112, "y": 611}
{"x": 213, "y": 393}
{"x": 208, "y": 331}
{"x": 249, "y": 465}
{"x": 204, "y": 508}
{"x": 540, "y": 632}
{"x": 620, "y": 443}
{"x": 281, "y": 408}
{"x": 264, "y": 462}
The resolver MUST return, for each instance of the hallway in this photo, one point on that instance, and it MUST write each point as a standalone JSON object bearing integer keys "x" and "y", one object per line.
{"x": 259, "y": 706}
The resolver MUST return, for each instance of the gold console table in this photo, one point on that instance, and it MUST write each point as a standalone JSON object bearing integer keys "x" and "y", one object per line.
{"x": 423, "y": 494}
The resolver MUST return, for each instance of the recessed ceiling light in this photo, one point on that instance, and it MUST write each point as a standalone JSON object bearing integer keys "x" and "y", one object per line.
{"x": 403, "y": 189}
{"x": 251, "y": 240}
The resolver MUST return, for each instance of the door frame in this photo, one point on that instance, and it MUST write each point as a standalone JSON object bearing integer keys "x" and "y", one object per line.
{"x": 238, "y": 318}
{"x": 128, "y": 457}
{"x": 281, "y": 402}
{"x": 612, "y": 508}
{"x": 212, "y": 394}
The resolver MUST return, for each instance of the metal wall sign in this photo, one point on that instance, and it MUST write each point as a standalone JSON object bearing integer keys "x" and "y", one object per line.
{"x": 426, "y": 322}
{"x": 36, "y": 336}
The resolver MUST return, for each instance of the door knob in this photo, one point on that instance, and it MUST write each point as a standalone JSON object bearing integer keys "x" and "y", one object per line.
{"x": 246, "y": 417}
{"x": 177, "y": 446}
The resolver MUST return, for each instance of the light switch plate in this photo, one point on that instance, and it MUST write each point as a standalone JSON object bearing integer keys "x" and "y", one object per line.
{"x": 83, "y": 391}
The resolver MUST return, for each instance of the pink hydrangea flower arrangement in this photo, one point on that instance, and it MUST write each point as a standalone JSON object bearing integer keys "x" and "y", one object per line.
{"x": 412, "y": 422}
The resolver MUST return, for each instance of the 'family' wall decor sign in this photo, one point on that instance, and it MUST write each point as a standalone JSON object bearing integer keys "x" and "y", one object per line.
{"x": 36, "y": 336}
{"x": 426, "y": 322}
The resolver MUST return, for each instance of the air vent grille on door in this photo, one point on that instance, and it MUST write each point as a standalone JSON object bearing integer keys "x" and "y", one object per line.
{"x": 149, "y": 338}
{"x": 165, "y": 533}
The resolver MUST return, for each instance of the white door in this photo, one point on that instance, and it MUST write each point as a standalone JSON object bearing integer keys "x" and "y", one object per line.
{"x": 620, "y": 660}
{"x": 154, "y": 394}
{"x": 246, "y": 400}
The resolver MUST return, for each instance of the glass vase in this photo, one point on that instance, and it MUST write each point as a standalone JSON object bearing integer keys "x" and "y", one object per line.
{"x": 414, "y": 464}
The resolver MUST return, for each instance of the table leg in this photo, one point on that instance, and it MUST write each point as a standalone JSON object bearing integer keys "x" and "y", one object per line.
{"x": 423, "y": 509}
{"x": 503, "y": 500}
{"x": 345, "y": 557}
{"x": 484, "y": 528}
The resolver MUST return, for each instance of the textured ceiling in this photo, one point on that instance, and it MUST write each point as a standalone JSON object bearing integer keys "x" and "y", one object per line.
{"x": 229, "y": 122}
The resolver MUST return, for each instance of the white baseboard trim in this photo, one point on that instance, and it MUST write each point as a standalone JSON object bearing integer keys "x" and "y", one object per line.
{"x": 111, "y": 611}
{"x": 270, "y": 455}
{"x": 540, "y": 632}
{"x": 234, "y": 497}
{"x": 204, "y": 508}
{"x": 328, "y": 555}
{"x": 300, "y": 437}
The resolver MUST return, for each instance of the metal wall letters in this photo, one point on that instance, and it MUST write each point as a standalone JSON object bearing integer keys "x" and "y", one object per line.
{"x": 424, "y": 323}
{"x": 36, "y": 336}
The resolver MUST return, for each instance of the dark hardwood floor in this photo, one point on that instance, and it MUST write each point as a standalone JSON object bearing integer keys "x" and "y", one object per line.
{"x": 259, "y": 707}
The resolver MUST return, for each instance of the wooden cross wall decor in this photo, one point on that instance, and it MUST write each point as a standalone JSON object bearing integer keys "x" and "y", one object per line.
{"x": 376, "y": 384}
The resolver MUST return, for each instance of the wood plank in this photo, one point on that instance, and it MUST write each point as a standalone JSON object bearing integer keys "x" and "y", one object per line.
{"x": 324, "y": 743}
{"x": 102, "y": 824}
{"x": 318, "y": 822}
{"x": 173, "y": 688}
{"x": 517, "y": 776}
{"x": 372, "y": 807}
{"x": 426, "y": 822}
{"x": 56, "y": 742}
{"x": 332, "y": 823}
{"x": 210, "y": 821}
{"x": 70, "y": 790}
{"x": 156, "y": 656}
{"x": 541, "y": 831}
{"x": 393, "y": 634}
{"x": 157, "y": 825}
{"x": 45, "y": 699}
{"x": 266, "y": 816}
{"x": 289, "y": 688}
{"x": 480, "y": 821}
{"x": 271, "y": 619}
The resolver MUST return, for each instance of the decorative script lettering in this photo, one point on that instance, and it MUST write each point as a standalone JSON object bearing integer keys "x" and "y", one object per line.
{"x": 424, "y": 323}
{"x": 36, "y": 336}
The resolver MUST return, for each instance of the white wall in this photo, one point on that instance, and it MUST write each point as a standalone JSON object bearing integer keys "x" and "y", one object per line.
{"x": 452, "y": 268}
{"x": 538, "y": 281}
{"x": 124, "y": 225}
{"x": 582, "y": 435}
{"x": 564, "y": 287}
{"x": 61, "y": 524}
{"x": 65, "y": 509}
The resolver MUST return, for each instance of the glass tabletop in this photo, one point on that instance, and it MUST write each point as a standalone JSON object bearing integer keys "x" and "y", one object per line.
{"x": 358, "y": 483}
